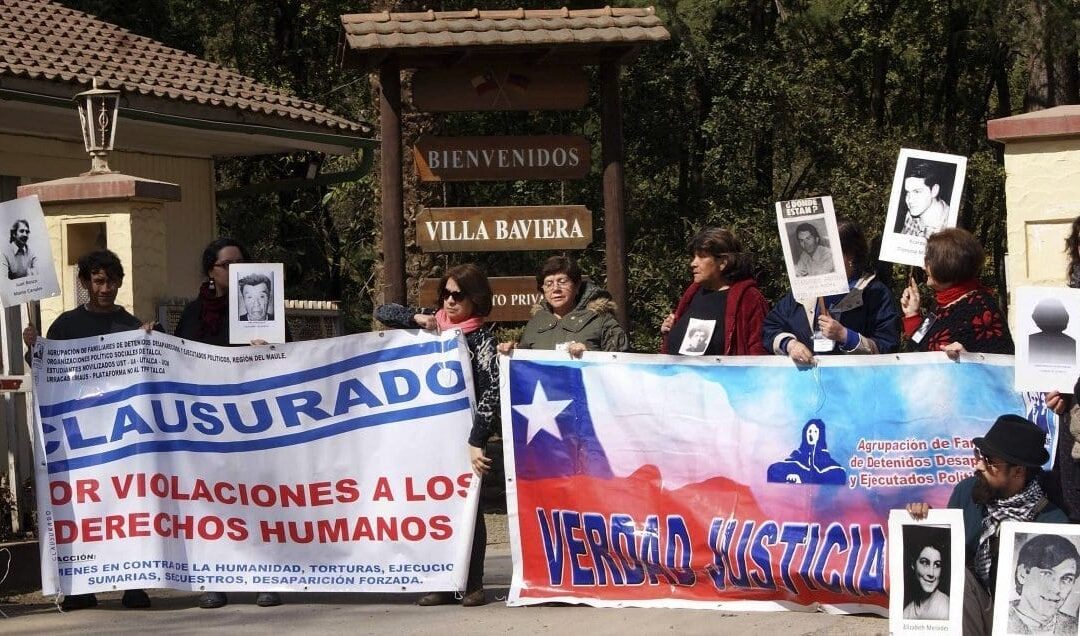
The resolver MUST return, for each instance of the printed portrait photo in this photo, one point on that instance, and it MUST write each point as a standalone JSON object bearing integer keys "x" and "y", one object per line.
{"x": 256, "y": 297}
{"x": 1046, "y": 331}
{"x": 256, "y": 303}
{"x": 927, "y": 192}
{"x": 698, "y": 335}
{"x": 927, "y": 551}
{"x": 810, "y": 247}
{"x": 26, "y": 254}
{"x": 1043, "y": 598}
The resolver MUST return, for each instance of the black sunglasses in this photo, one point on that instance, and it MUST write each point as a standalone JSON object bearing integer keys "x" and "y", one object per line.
{"x": 458, "y": 296}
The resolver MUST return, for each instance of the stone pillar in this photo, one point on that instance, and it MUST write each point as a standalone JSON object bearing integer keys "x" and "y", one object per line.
{"x": 1042, "y": 193}
{"x": 114, "y": 211}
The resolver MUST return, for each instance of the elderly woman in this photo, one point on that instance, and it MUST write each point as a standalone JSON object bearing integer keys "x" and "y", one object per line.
{"x": 574, "y": 316}
{"x": 864, "y": 320}
{"x": 926, "y": 573}
{"x": 965, "y": 316}
{"x": 723, "y": 301}
{"x": 464, "y": 301}
{"x": 206, "y": 320}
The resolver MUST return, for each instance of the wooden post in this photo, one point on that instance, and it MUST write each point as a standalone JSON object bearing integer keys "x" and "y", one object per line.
{"x": 393, "y": 213}
{"x": 614, "y": 197}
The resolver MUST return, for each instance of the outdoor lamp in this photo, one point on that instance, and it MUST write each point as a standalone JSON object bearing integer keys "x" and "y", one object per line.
{"x": 97, "y": 115}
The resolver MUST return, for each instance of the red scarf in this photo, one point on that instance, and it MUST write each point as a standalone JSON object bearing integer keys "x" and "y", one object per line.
{"x": 212, "y": 311}
{"x": 469, "y": 325}
{"x": 946, "y": 297}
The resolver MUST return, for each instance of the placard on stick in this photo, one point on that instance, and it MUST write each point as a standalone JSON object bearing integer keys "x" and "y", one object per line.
{"x": 811, "y": 244}
{"x": 26, "y": 257}
{"x": 926, "y": 193}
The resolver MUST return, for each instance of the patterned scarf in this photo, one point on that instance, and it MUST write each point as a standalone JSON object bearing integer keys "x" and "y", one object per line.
{"x": 1023, "y": 506}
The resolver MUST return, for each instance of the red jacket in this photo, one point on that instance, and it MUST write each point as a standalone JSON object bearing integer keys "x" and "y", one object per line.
{"x": 744, "y": 317}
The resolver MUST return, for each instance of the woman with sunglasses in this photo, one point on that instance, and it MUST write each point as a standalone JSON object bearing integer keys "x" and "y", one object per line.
{"x": 574, "y": 315}
{"x": 464, "y": 301}
{"x": 206, "y": 320}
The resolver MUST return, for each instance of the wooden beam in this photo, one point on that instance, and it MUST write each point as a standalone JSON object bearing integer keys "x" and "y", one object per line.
{"x": 393, "y": 213}
{"x": 614, "y": 196}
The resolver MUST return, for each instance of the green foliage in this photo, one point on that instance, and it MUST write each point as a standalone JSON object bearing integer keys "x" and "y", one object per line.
{"x": 751, "y": 102}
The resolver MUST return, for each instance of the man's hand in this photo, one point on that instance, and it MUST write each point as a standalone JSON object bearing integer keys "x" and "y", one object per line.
{"x": 918, "y": 510}
{"x": 1057, "y": 402}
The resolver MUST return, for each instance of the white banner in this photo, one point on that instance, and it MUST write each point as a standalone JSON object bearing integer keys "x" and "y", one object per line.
{"x": 336, "y": 465}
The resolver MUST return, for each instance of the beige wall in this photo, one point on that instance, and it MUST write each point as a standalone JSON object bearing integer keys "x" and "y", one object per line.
{"x": 1042, "y": 190}
{"x": 189, "y": 223}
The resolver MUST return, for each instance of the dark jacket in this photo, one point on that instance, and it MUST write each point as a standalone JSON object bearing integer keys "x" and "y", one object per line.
{"x": 188, "y": 327}
{"x": 592, "y": 322}
{"x": 484, "y": 355}
{"x": 744, "y": 315}
{"x": 870, "y": 312}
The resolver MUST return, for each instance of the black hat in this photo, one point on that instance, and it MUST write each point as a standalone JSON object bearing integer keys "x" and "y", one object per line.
{"x": 1015, "y": 440}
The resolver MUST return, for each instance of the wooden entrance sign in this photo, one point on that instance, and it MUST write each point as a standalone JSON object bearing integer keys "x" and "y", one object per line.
{"x": 508, "y": 158}
{"x": 537, "y": 227}
{"x": 512, "y": 297}
{"x": 499, "y": 87}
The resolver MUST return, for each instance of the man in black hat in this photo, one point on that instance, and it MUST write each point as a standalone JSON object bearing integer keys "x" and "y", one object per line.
{"x": 1005, "y": 487}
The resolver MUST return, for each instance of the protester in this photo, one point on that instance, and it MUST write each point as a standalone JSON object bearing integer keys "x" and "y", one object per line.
{"x": 574, "y": 315}
{"x": 965, "y": 316}
{"x": 101, "y": 274}
{"x": 926, "y": 573}
{"x": 206, "y": 320}
{"x": 864, "y": 320}
{"x": 464, "y": 301}
{"x": 723, "y": 293}
{"x": 1064, "y": 485}
{"x": 1006, "y": 487}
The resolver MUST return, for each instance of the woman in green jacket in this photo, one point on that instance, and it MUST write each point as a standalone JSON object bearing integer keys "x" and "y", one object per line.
{"x": 574, "y": 316}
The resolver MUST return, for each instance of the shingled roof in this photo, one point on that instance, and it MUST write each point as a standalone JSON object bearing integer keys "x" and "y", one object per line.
{"x": 64, "y": 50}
{"x": 587, "y": 35}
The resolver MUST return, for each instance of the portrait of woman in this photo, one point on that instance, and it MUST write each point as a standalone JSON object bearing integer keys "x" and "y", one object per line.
{"x": 926, "y": 573}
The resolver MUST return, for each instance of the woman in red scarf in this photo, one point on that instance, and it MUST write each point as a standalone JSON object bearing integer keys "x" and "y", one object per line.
{"x": 965, "y": 316}
{"x": 206, "y": 320}
{"x": 464, "y": 301}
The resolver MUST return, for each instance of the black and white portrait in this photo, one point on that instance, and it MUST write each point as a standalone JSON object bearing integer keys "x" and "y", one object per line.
{"x": 26, "y": 256}
{"x": 1047, "y": 328}
{"x": 257, "y": 303}
{"x": 698, "y": 335}
{"x": 1044, "y": 571}
{"x": 810, "y": 248}
{"x": 927, "y": 553}
{"x": 18, "y": 260}
{"x": 924, "y": 207}
{"x": 926, "y": 192}
{"x": 926, "y": 572}
{"x": 256, "y": 296}
{"x": 1050, "y": 344}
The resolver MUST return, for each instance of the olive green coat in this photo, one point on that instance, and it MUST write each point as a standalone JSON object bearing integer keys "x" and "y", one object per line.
{"x": 591, "y": 322}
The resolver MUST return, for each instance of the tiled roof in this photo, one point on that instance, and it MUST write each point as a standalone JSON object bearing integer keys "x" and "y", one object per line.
{"x": 42, "y": 40}
{"x": 520, "y": 28}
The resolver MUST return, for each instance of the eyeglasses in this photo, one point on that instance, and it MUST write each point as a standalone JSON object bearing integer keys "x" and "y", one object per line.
{"x": 563, "y": 283}
{"x": 225, "y": 264}
{"x": 458, "y": 296}
{"x": 990, "y": 462}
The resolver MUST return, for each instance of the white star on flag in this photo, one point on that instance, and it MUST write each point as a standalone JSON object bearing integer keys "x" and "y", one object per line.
{"x": 541, "y": 414}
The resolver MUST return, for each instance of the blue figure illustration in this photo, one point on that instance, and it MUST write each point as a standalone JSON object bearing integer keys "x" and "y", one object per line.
{"x": 811, "y": 462}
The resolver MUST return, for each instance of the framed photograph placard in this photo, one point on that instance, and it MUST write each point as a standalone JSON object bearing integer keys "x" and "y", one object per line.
{"x": 1035, "y": 591}
{"x": 926, "y": 572}
{"x": 1047, "y": 329}
{"x": 26, "y": 256}
{"x": 811, "y": 245}
{"x": 926, "y": 194}
{"x": 256, "y": 302}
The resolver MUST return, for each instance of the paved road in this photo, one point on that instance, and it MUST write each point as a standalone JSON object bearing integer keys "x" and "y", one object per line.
{"x": 176, "y": 613}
